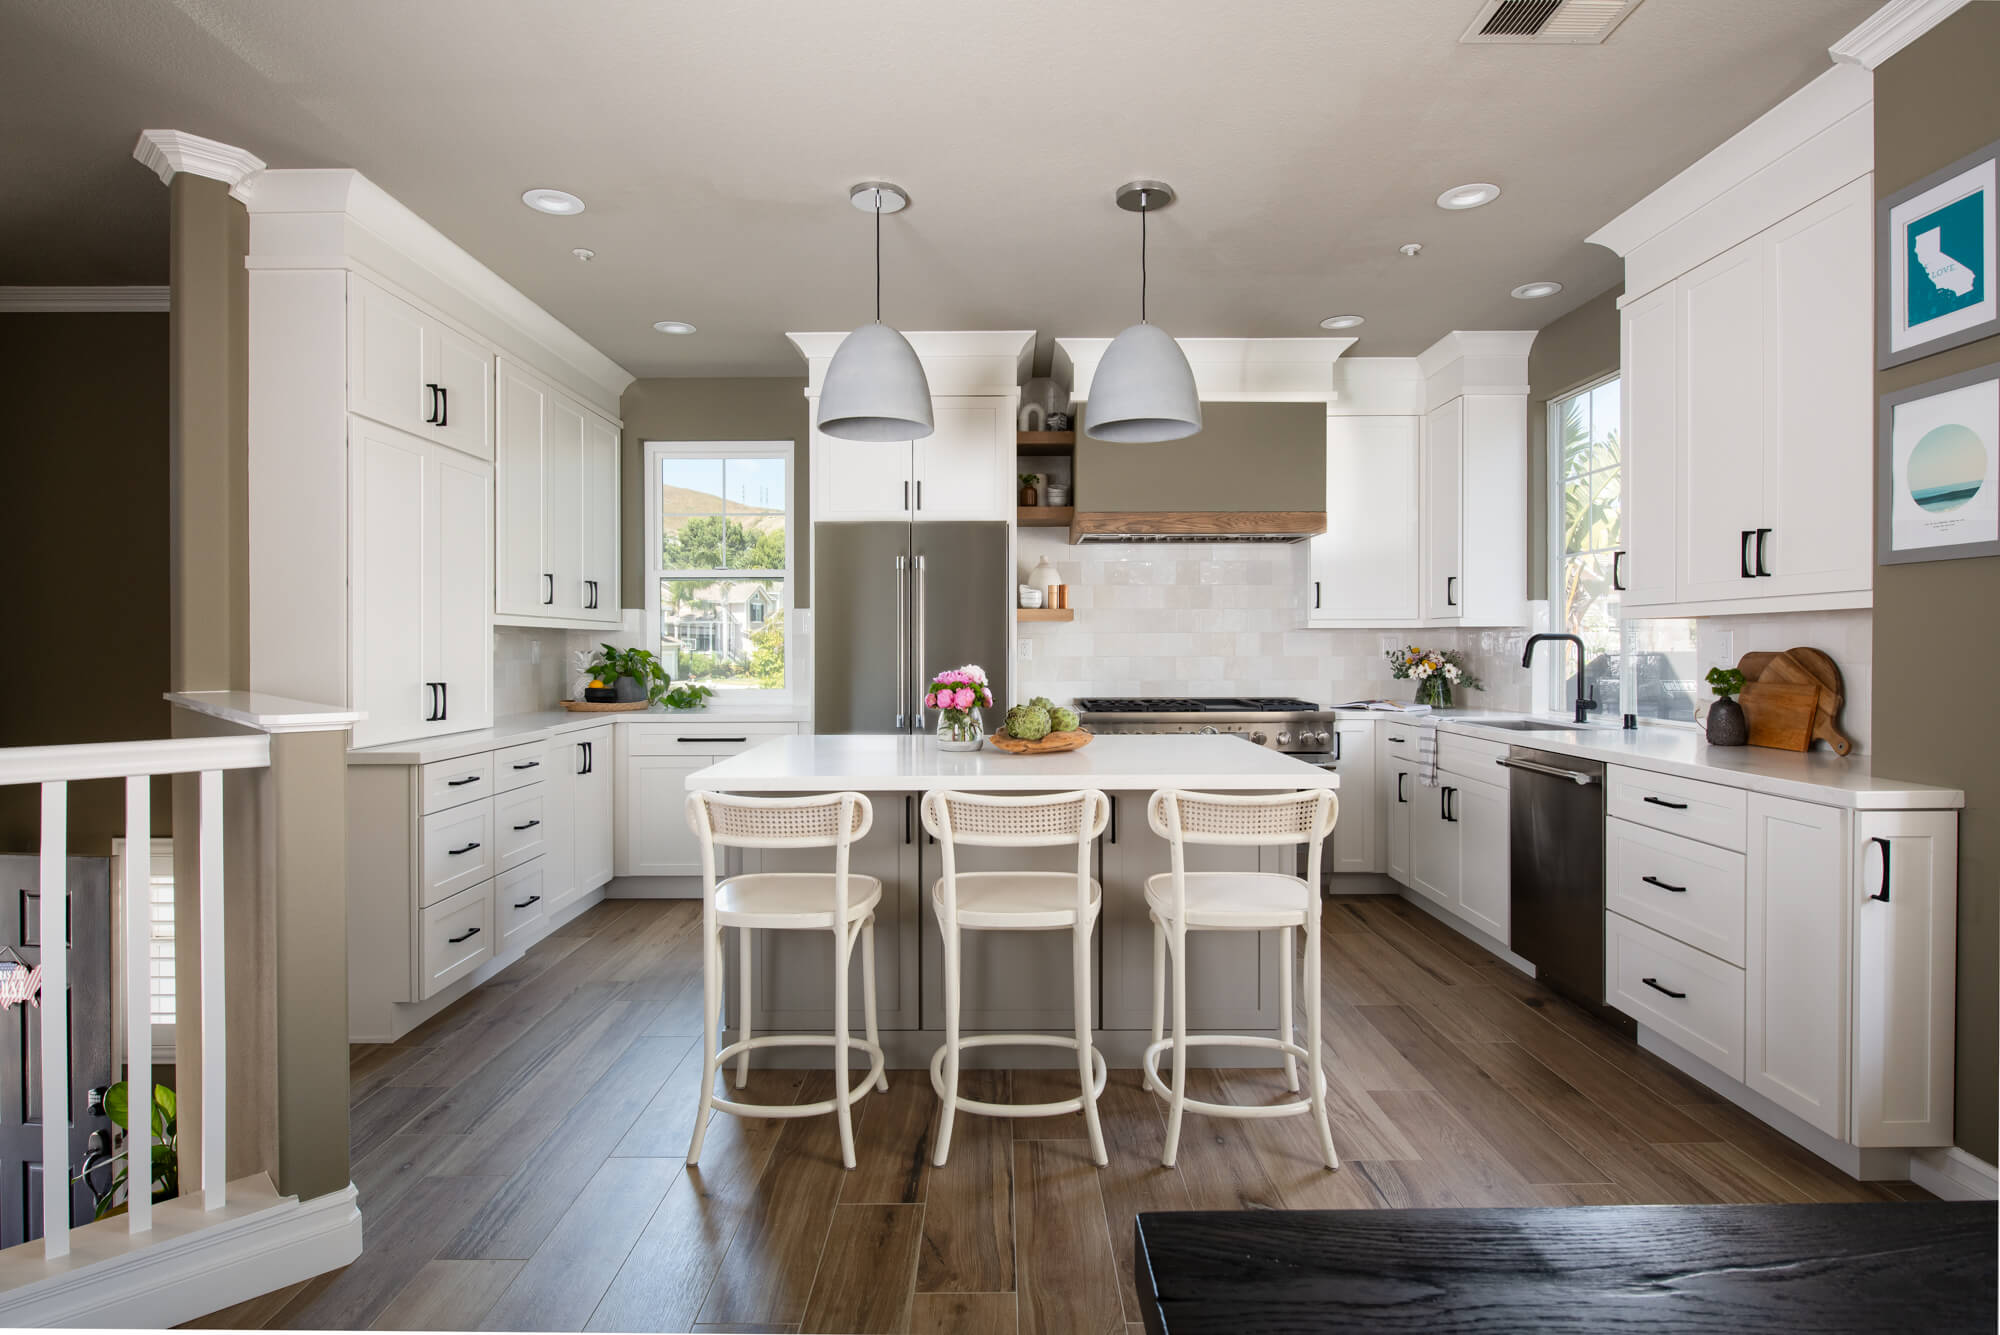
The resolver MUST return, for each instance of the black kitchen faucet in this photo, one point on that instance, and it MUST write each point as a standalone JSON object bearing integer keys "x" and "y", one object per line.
{"x": 1583, "y": 705}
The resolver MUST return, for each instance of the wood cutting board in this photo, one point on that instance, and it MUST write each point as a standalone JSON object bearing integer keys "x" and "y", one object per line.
{"x": 1049, "y": 745}
{"x": 1799, "y": 667}
{"x": 1780, "y": 713}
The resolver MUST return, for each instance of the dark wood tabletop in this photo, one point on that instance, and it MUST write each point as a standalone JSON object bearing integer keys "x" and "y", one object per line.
{"x": 1918, "y": 1269}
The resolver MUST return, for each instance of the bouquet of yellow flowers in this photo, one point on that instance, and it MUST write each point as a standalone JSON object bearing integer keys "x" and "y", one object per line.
{"x": 1435, "y": 671}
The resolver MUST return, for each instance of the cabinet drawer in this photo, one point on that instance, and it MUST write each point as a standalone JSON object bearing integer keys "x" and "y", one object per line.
{"x": 518, "y": 766}
{"x": 1400, "y": 740}
{"x": 457, "y": 852}
{"x": 1688, "y": 890}
{"x": 1642, "y": 971}
{"x": 457, "y": 937}
{"x": 1705, "y": 811}
{"x": 520, "y": 903}
{"x": 520, "y": 825}
{"x": 451, "y": 783}
{"x": 1472, "y": 757}
{"x": 699, "y": 739}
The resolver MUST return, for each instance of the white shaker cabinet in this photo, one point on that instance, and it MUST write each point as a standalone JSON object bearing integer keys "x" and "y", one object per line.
{"x": 1796, "y": 945}
{"x": 421, "y": 542}
{"x": 1485, "y": 895}
{"x": 409, "y": 369}
{"x": 1649, "y": 393}
{"x": 1353, "y": 847}
{"x": 1905, "y": 903}
{"x": 556, "y": 543}
{"x": 654, "y": 760}
{"x": 1365, "y": 569}
{"x": 1474, "y": 560}
{"x": 1720, "y": 483}
{"x": 1443, "y": 562}
{"x": 593, "y": 764}
{"x": 1395, "y": 784}
{"x": 962, "y": 470}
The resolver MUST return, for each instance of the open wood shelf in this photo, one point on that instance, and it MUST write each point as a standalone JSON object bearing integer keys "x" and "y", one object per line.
{"x": 1045, "y": 442}
{"x": 1045, "y": 614}
{"x": 1043, "y": 516}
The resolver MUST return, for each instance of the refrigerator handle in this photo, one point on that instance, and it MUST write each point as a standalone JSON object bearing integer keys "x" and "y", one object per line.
{"x": 902, "y": 646}
{"x": 917, "y": 723}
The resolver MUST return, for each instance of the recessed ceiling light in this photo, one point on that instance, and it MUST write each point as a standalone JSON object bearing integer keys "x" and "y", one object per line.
{"x": 1469, "y": 196}
{"x": 584, "y": 254}
{"x": 1530, "y": 291}
{"x": 1340, "y": 322}
{"x": 1411, "y": 248}
{"x": 543, "y": 200}
{"x": 673, "y": 326}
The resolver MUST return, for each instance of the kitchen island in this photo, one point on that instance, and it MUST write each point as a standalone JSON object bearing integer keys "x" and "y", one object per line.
{"x": 1013, "y": 981}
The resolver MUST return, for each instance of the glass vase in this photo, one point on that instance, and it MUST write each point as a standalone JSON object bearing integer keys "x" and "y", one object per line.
{"x": 959, "y": 730}
{"x": 1434, "y": 691}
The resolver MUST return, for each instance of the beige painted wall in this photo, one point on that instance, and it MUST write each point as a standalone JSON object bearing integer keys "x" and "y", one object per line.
{"x": 1247, "y": 456}
{"x": 85, "y": 513}
{"x": 744, "y": 408}
{"x": 1575, "y": 350}
{"x": 1936, "y": 636}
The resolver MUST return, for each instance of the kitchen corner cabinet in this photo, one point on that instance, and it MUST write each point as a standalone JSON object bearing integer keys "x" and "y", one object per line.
{"x": 1365, "y": 567}
{"x": 409, "y": 369}
{"x": 962, "y": 470}
{"x": 556, "y": 534}
{"x": 421, "y": 643}
{"x": 654, "y": 760}
{"x": 1748, "y": 424}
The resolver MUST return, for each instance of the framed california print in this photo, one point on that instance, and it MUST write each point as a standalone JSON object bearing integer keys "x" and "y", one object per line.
{"x": 1935, "y": 264}
{"x": 1939, "y": 448}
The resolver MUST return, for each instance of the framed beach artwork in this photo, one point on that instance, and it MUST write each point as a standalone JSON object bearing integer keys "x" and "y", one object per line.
{"x": 1940, "y": 469}
{"x": 1935, "y": 270}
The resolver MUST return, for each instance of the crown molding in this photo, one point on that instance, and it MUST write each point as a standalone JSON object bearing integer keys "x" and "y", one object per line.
{"x": 170, "y": 152}
{"x": 1890, "y": 29}
{"x": 956, "y": 361}
{"x": 1241, "y": 370}
{"x": 52, "y": 300}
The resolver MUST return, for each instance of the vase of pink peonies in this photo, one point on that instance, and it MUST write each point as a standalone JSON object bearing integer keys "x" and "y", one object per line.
{"x": 958, "y": 694}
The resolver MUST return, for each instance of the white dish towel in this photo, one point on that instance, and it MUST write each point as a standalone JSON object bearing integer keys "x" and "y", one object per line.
{"x": 1427, "y": 752}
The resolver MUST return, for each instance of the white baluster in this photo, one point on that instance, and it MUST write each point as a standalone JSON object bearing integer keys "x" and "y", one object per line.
{"x": 214, "y": 1063}
{"x": 139, "y": 1002}
{"x": 55, "y": 1021}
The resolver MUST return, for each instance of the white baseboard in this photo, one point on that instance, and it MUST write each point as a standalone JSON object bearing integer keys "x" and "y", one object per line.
{"x": 654, "y": 887}
{"x": 193, "y": 1262}
{"x": 1465, "y": 929}
{"x": 1953, "y": 1175}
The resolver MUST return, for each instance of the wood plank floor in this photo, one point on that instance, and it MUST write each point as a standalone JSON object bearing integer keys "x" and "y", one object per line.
{"x": 519, "y": 1157}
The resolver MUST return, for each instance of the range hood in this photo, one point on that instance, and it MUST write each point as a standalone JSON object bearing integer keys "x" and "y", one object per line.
{"x": 1255, "y": 472}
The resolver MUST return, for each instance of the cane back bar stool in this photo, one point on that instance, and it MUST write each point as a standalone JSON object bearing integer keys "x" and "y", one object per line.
{"x": 1181, "y": 901}
{"x": 1017, "y": 901}
{"x": 839, "y": 902}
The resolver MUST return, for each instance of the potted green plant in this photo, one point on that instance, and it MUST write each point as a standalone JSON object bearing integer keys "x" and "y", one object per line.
{"x": 1030, "y": 497}
{"x": 1726, "y": 724}
{"x": 166, "y": 1165}
{"x": 635, "y": 674}
{"x": 687, "y": 695}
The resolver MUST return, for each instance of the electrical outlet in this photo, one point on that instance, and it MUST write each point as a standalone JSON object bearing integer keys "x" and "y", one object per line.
{"x": 1025, "y": 650}
{"x": 1725, "y": 649}
{"x": 534, "y": 652}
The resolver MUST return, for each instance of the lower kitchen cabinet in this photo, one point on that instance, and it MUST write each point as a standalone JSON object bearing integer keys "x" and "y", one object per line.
{"x": 593, "y": 796}
{"x": 654, "y": 760}
{"x": 1795, "y": 1040}
{"x": 1353, "y": 847}
{"x": 1484, "y": 885}
{"x": 1458, "y": 837}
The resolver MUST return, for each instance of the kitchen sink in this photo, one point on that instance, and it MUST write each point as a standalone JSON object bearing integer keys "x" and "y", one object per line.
{"x": 1525, "y": 725}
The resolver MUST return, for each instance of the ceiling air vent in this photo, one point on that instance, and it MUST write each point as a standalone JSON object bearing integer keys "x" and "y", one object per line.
{"x": 1564, "y": 22}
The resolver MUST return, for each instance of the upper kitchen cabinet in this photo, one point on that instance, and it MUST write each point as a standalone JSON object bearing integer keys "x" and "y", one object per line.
{"x": 1473, "y": 499}
{"x": 1748, "y": 425}
{"x": 1365, "y": 567}
{"x": 557, "y": 534}
{"x": 409, "y": 369}
{"x": 962, "y": 470}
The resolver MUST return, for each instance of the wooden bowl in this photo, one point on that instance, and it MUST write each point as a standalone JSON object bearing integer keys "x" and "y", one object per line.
{"x": 1049, "y": 745}
{"x": 592, "y": 707}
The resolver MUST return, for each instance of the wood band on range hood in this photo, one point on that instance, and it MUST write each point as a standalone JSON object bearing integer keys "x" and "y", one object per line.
{"x": 1223, "y": 525}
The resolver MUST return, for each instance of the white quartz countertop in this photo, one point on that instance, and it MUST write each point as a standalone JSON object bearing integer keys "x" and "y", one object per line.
{"x": 1809, "y": 776}
{"x": 515, "y": 729}
{"x": 897, "y": 764}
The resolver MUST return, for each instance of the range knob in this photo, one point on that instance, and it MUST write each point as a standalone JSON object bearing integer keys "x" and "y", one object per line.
{"x": 1314, "y": 738}
{"x": 1284, "y": 739}
{"x": 1259, "y": 738}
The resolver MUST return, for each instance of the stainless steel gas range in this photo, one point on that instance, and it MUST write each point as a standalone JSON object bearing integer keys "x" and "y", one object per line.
{"x": 1298, "y": 728}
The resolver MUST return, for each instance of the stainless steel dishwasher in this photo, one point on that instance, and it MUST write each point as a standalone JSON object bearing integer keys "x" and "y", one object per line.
{"x": 1556, "y": 852}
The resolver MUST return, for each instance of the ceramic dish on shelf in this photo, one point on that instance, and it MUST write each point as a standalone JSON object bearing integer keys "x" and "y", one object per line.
{"x": 1030, "y": 598}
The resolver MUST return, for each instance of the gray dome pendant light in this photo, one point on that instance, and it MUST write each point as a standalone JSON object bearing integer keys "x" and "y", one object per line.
{"x": 875, "y": 388}
{"x": 1143, "y": 392}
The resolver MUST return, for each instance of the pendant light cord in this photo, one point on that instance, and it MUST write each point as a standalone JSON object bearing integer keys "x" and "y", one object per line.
{"x": 878, "y": 257}
{"x": 1142, "y": 256}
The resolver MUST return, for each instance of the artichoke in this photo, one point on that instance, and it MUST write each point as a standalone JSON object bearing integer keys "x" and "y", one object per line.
{"x": 1028, "y": 723}
{"x": 1042, "y": 702}
{"x": 1062, "y": 719}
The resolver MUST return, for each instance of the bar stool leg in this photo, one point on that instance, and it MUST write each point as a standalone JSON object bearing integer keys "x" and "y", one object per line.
{"x": 843, "y": 1112}
{"x": 868, "y": 995}
{"x": 711, "y": 1008}
{"x": 1159, "y": 979}
{"x": 1316, "y": 1062}
{"x": 950, "y": 1044}
{"x": 1080, "y": 989}
{"x": 1177, "y": 948}
{"x": 1290, "y": 959}
{"x": 743, "y": 994}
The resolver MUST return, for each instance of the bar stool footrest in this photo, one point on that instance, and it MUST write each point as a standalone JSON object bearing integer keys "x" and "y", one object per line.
{"x": 724, "y": 1055}
{"x": 1150, "y": 1064}
{"x": 1057, "y": 1109}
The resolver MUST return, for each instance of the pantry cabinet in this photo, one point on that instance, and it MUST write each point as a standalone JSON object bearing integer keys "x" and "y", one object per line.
{"x": 556, "y": 539}
{"x": 421, "y": 644}
{"x": 962, "y": 470}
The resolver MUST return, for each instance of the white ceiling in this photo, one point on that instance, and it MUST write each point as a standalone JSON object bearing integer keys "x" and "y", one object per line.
{"x": 714, "y": 141}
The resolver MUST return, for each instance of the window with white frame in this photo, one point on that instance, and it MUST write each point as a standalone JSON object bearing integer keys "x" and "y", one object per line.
{"x": 159, "y": 938}
{"x": 719, "y": 543}
{"x": 1638, "y": 667}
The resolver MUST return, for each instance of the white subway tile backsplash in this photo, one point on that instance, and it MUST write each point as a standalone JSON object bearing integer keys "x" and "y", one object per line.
{"x": 1846, "y": 637}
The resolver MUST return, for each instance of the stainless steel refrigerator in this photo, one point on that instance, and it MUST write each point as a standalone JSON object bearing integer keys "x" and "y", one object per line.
{"x": 894, "y": 603}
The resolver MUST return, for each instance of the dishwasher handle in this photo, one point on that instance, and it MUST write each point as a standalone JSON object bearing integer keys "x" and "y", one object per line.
{"x": 1574, "y": 776}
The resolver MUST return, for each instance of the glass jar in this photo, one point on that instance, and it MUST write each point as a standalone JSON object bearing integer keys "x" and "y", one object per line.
{"x": 959, "y": 730}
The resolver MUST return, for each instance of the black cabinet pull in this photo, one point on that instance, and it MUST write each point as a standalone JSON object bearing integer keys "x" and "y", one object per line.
{"x": 1451, "y": 591}
{"x": 1762, "y": 534}
{"x": 531, "y": 899}
{"x": 1398, "y": 739}
{"x": 1662, "y": 802}
{"x": 1445, "y": 804}
{"x": 1654, "y": 983}
{"x": 1744, "y": 554}
{"x": 548, "y": 589}
{"x": 444, "y": 406}
{"x": 909, "y": 803}
{"x": 711, "y": 739}
{"x": 1618, "y": 572}
{"x": 1400, "y": 776}
{"x": 1883, "y": 844}
{"x": 906, "y": 495}
{"x": 1315, "y": 595}
{"x": 589, "y": 759}
{"x": 432, "y": 420}
{"x": 470, "y": 932}
{"x": 444, "y": 701}
{"x": 454, "y": 852}
{"x": 460, "y": 783}
{"x": 529, "y": 826}
{"x": 1336, "y": 745}
{"x": 920, "y": 493}
{"x": 529, "y": 764}
{"x": 1111, "y": 825}
{"x": 1670, "y": 889}
{"x": 430, "y": 715}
